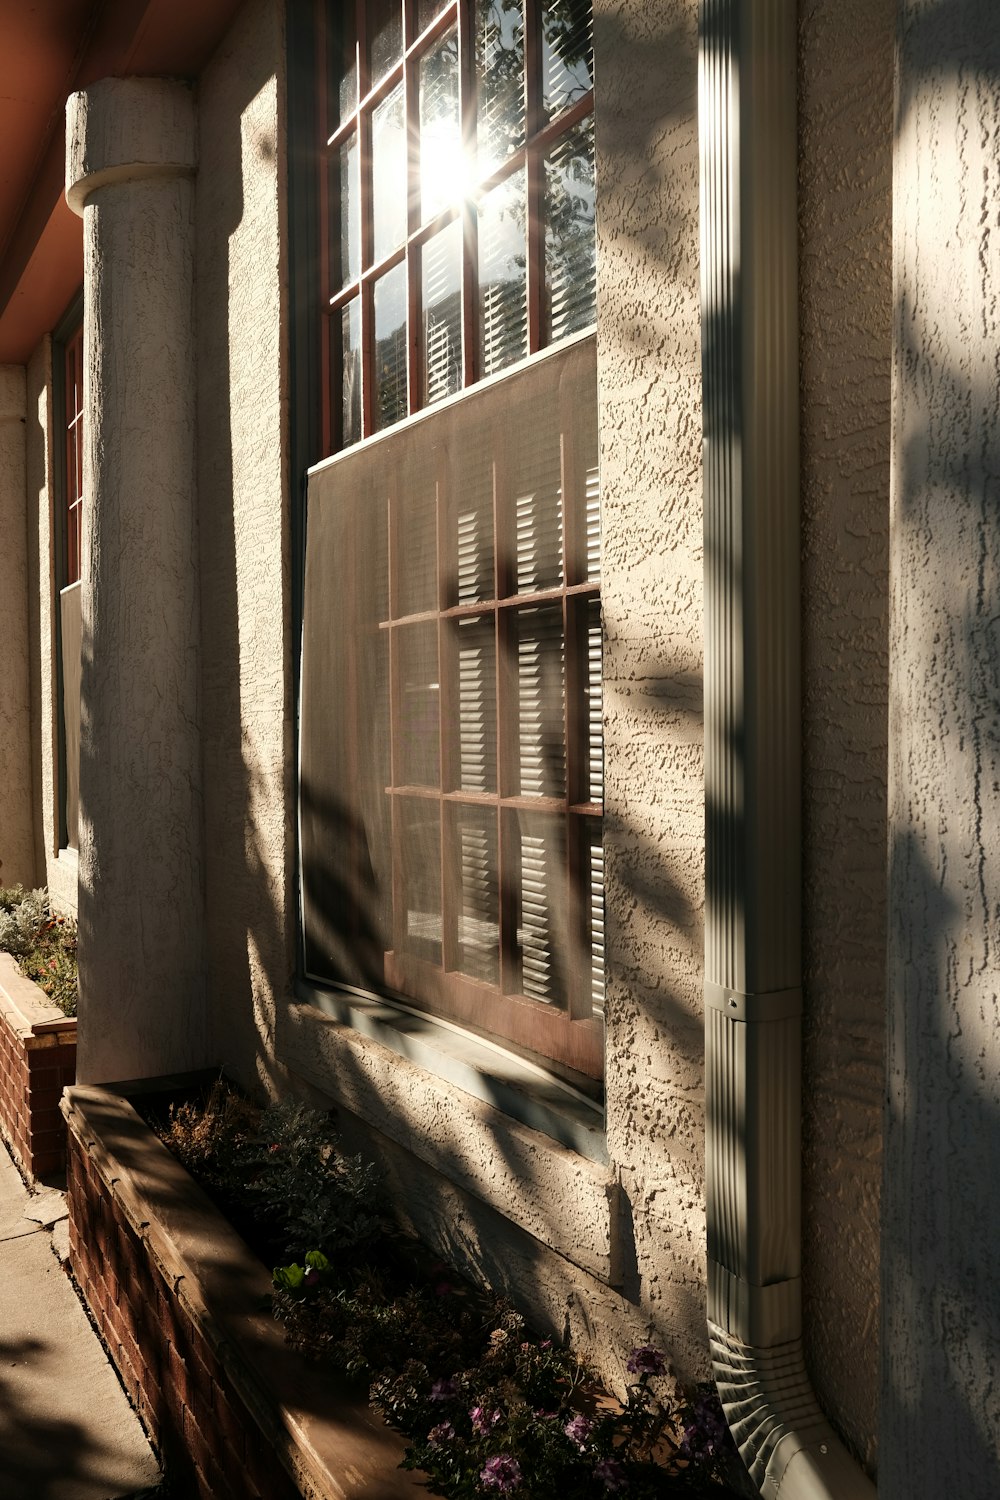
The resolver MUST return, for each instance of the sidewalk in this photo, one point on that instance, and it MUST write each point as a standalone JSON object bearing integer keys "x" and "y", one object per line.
{"x": 67, "y": 1431}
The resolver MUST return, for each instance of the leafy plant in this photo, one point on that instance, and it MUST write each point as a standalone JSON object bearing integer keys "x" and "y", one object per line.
{"x": 280, "y": 1165}
{"x": 43, "y": 943}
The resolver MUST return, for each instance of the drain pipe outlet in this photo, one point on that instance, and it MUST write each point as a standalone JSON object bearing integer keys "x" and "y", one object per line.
{"x": 752, "y": 752}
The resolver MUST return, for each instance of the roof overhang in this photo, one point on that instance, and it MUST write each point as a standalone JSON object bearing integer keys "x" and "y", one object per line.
{"x": 46, "y": 53}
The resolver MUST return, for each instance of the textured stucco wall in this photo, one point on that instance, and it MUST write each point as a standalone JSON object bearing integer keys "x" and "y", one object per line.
{"x": 845, "y": 209}
{"x": 649, "y": 379}
{"x": 17, "y": 860}
{"x": 249, "y": 746}
{"x": 940, "y": 1427}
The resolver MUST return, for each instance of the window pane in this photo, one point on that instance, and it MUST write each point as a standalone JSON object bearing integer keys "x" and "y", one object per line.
{"x": 350, "y": 320}
{"x": 442, "y": 302}
{"x": 415, "y": 586}
{"x": 474, "y": 645}
{"x": 499, "y": 81}
{"x": 390, "y": 348}
{"x": 417, "y": 762}
{"x": 540, "y": 927}
{"x": 442, "y": 158}
{"x": 427, "y": 10}
{"x": 343, "y": 75}
{"x": 419, "y": 873}
{"x": 389, "y": 174}
{"x": 479, "y": 893}
{"x": 567, "y": 53}
{"x": 536, "y": 475}
{"x": 347, "y": 207}
{"x": 384, "y": 21}
{"x": 503, "y": 301}
{"x": 541, "y": 701}
{"x": 471, "y": 554}
{"x": 570, "y": 263}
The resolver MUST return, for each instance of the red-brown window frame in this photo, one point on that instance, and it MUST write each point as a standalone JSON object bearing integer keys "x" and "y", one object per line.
{"x": 540, "y": 136}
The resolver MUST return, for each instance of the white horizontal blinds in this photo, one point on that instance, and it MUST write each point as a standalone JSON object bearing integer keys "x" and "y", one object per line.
{"x": 442, "y": 300}
{"x": 570, "y": 259}
{"x": 536, "y": 472}
{"x": 541, "y": 700}
{"x": 541, "y": 938}
{"x": 499, "y": 81}
{"x": 479, "y": 899}
{"x": 503, "y": 286}
{"x": 593, "y": 695}
{"x": 592, "y": 524}
{"x": 476, "y": 730}
{"x": 592, "y": 881}
{"x": 465, "y": 777}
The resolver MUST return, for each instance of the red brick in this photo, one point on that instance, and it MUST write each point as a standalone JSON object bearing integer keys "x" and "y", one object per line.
{"x": 231, "y": 1421}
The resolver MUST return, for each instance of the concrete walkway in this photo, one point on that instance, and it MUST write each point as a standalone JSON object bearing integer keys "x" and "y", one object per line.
{"x": 67, "y": 1431}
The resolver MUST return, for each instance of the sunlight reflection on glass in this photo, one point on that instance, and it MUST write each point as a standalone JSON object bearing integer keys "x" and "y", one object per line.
{"x": 444, "y": 163}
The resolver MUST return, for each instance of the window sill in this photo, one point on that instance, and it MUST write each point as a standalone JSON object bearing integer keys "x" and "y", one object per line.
{"x": 494, "y": 1124}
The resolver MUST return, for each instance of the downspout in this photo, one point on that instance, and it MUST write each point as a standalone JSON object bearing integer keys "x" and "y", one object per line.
{"x": 753, "y": 995}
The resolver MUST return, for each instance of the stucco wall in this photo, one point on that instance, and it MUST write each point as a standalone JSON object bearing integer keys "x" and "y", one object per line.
{"x": 845, "y": 208}
{"x": 941, "y": 1220}
{"x": 16, "y": 834}
{"x": 243, "y": 498}
{"x": 649, "y": 380}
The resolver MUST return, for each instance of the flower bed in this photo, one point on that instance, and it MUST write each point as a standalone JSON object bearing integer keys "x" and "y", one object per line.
{"x": 487, "y": 1407}
{"x": 180, "y": 1302}
{"x": 37, "y": 1060}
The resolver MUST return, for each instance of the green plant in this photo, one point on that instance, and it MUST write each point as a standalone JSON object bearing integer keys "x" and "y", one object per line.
{"x": 43, "y": 943}
{"x": 280, "y": 1165}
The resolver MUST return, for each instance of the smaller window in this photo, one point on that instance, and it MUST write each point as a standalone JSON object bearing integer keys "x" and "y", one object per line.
{"x": 73, "y": 408}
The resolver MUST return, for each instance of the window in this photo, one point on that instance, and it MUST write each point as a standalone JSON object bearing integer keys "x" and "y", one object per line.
{"x": 451, "y": 756}
{"x": 458, "y": 197}
{"x": 68, "y": 350}
{"x": 73, "y": 403}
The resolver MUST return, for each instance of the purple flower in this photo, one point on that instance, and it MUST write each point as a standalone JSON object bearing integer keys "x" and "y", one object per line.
{"x": 578, "y": 1429}
{"x": 502, "y": 1472}
{"x": 442, "y": 1390}
{"x": 484, "y": 1421}
{"x": 311, "y": 1278}
{"x": 646, "y": 1361}
{"x": 441, "y": 1434}
{"x": 611, "y": 1474}
{"x": 705, "y": 1434}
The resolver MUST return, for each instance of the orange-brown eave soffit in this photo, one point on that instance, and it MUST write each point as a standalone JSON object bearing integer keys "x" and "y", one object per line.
{"x": 47, "y": 51}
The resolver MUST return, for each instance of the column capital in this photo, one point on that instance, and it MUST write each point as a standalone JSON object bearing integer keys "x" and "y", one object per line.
{"x": 126, "y": 129}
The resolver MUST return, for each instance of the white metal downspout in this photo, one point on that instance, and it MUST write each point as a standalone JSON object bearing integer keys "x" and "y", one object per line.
{"x": 753, "y": 995}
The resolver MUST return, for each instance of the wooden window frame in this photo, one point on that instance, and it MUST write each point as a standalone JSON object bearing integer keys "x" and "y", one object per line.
{"x": 541, "y": 135}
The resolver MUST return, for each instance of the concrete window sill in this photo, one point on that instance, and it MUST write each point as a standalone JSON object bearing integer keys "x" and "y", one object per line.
{"x": 513, "y": 1136}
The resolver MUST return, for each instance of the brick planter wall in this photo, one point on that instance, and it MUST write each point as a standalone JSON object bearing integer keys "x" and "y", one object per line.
{"x": 37, "y": 1061}
{"x": 178, "y": 1299}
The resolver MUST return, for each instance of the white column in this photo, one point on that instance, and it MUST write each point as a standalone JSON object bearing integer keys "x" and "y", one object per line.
{"x": 17, "y": 860}
{"x": 131, "y": 150}
{"x": 940, "y": 1404}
